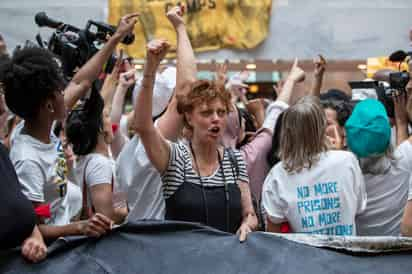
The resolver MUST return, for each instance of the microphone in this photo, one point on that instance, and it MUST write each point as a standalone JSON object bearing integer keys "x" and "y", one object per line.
{"x": 398, "y": 56}
{"x": 42, "y": 20}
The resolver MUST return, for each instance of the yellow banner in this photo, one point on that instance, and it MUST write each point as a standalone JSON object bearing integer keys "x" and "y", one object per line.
{"x": 211, "y": 24}
{"x": 377, "y": 63}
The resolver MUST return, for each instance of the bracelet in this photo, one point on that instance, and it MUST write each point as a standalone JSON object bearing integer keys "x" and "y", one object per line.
{"x": 148, "y": 75}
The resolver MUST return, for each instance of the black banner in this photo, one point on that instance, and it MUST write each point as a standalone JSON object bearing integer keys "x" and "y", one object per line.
{"x": 172, "y": 247}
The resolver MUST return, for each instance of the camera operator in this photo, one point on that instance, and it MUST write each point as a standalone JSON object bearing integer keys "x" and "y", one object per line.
{"x": 34, "y": 90}
{"x": 406, "y": 225}
{"x": 386, "y": 170}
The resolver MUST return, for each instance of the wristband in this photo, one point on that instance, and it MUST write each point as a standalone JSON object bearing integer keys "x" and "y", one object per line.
{"x": 43, "y": 211}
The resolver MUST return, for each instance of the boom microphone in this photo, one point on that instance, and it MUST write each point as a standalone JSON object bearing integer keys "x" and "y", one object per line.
{"x": 42, "y": 20}
{"x": 398, "y": 56}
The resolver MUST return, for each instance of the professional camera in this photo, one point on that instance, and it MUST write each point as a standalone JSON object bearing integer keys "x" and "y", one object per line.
{"x": 398, "y": 82}
{"x": 76, "y": 46}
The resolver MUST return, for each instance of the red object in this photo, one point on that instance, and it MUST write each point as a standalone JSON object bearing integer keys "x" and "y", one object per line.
{"x": 285, "y": 228}
{"x": 115, "y": 127}
{"x": 43, "y": 211}
{"x": 102, "y": 76}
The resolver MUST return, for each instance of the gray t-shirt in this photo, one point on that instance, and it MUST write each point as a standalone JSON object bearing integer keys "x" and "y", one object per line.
{"x": 42, "y": 172}
{"x": 387, "y": 195}
{"x": 136, "y": 176}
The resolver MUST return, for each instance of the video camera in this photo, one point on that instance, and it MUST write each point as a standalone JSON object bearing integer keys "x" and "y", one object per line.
{"x": 76, "y": 46}
{"x": 397, "y": 80}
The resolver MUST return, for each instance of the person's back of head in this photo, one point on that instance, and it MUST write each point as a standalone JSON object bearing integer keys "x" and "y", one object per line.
{"x": 85, "y": 123}
{"x": 248, "y": 127}
{"x": 368, "y": 133}
{"x": 335, "y": 95}
{"x": 343, "y": 110}
{"x": 29, "y": 78}
{"x": 302, "y": 135}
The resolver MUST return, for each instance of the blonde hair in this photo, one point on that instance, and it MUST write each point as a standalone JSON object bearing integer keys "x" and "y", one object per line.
{"x": 303, "y": 137}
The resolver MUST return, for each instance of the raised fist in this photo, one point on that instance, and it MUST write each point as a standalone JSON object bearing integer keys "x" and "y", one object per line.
{"x": 175, "y": 16}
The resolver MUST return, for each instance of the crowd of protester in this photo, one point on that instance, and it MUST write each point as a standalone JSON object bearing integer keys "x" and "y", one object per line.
{"x": 73, "y": 161}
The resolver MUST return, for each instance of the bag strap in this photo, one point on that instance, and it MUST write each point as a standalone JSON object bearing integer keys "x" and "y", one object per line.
{"x": 86, "y": 212}
{"x": 233, "y": 162}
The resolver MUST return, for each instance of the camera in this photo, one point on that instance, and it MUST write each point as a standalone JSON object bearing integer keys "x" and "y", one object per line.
{"x": 76, "y": 46}
{"x": 398, "y": 81}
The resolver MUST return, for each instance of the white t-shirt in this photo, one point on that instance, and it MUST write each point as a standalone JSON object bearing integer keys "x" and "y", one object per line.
{"x": 99, "y": 170}
{"x": 322, "y": 200}
{"x": 42, "y": 172}
{"x": 136, "y": 176}
{"x": 387, "y": 195}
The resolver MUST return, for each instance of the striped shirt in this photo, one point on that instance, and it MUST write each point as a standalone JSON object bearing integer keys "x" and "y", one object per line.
{"x": 181, "y": 161}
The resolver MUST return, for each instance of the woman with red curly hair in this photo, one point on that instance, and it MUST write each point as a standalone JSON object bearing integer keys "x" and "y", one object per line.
{"x": 203, "y": 181}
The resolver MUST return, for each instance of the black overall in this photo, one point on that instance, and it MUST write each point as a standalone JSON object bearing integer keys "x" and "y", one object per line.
{"x": 212, "y": 206}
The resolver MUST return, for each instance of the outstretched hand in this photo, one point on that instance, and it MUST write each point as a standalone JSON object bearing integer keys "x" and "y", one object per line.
{"x": 220, "y": 74}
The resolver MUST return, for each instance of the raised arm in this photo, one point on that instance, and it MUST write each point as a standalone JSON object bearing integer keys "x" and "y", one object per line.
{"x": 186, "y": 61}
{"x": 126, "y": 80}
{"x": 110, "y": 83}
{"x": 89, "y": 72}
{"x": 320, "y": 66}
{"x": 401, "y": 118}
{"x": 171, "y": 123}
{"x": 157, "y": 148}
{"x": 295, "y": 76}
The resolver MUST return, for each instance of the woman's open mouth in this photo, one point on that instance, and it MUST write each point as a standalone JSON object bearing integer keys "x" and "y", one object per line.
{"x": 214, "y": 130}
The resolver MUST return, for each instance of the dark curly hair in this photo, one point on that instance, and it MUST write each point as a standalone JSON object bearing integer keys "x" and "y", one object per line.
{"x": 28, "y": 78}
{"x": 84, "y": 124}
{"x": 343, "y": 109}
